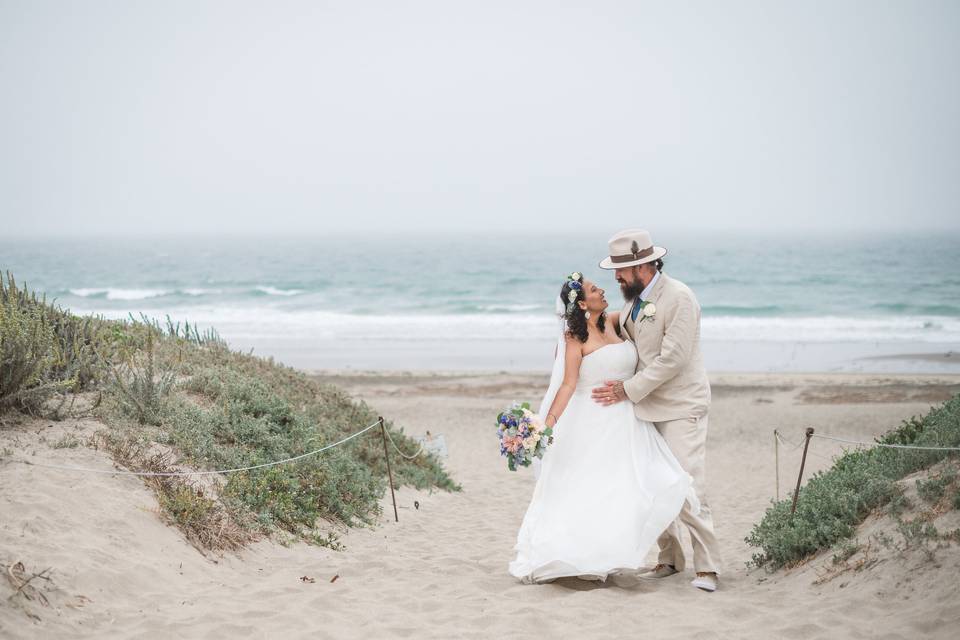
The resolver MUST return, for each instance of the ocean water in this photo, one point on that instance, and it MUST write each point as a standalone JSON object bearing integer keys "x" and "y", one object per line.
{"x": 468, "y": 301}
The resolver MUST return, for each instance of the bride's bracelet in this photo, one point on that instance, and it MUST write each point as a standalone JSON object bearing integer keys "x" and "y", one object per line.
{"x": 555, "y": 419}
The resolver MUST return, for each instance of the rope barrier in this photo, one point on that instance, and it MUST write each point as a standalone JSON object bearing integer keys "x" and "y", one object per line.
{"x": 779, "y": 439}
{"x": 796, "y": 445}
{"x": 793, "y": 445}
{"x": 404, "y": 455}
{"x": 889, "y": 446}
{"x": 199, "y": 473}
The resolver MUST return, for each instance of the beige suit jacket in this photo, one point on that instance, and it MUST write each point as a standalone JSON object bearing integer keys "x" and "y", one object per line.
{"x": 671, "y": 382}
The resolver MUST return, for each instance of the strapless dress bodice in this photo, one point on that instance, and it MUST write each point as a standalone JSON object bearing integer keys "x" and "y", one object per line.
{"x": 611, "y": 362}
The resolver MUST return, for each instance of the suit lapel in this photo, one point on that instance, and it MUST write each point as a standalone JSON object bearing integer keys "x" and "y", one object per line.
{"x": 652, "y": 298}
{"x": 658, "y": 288}
{"x": 624, "y": 318}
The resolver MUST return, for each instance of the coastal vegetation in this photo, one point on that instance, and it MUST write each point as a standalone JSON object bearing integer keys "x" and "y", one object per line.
{"x": 834, "y": 502}
{"x": 173, "y": 398}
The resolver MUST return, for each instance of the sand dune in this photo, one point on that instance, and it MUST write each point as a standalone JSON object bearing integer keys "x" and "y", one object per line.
{"x": 118, "y": 571}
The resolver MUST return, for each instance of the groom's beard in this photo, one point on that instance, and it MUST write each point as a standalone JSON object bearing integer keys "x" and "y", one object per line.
{"x": 631, "y": 291}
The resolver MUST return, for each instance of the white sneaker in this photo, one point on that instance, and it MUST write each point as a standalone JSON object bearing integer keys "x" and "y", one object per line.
{"x": 706, "y": 581}
{"x": 659, "y": 571}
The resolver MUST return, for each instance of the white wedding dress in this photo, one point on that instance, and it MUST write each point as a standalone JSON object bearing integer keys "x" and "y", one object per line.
{"x": 608, "y": 485}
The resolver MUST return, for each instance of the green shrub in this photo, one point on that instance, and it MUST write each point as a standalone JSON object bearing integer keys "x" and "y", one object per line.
{"x": 331, "y": 413}
{"x": 68, "y": 441}
{"x": 142, "y": 386}
{"x": 250, "y": 418}
{"x": 188, "y": 506}
{"x": 185, "y": 332}
{"x": 45, "y": 350}
{"x": 28, "y": 349}
{"x": 249, "y": 423}
{"x": 84, "y": 348}
{"x": 932, "y": 489}
{"x": 845, "y": 551}
{"x": 898, "y": 505}
{"x": 918, "y": 534}
{"x": 230, "y": 410}
{"x": 835, "y": 501}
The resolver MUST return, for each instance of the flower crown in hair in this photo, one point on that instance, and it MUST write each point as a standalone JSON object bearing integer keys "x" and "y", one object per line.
{"x": 575, "y": 281}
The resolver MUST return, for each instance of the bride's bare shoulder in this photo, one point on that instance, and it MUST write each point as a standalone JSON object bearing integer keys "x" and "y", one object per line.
{"x": 574, "y": 346}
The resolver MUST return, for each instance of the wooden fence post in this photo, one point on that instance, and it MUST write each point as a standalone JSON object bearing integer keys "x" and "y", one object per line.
{"x": 803, "y": 461}
{"x": 386, "y": 455}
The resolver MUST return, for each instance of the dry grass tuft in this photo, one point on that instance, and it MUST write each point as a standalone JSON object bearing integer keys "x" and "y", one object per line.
{"x": 205, "y": 522}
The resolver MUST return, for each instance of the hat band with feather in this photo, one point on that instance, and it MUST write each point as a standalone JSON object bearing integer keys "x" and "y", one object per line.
{"x": 636, "y": 255}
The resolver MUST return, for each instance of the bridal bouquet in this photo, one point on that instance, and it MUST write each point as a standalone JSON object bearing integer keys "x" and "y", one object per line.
{"x": 523, "y": 435}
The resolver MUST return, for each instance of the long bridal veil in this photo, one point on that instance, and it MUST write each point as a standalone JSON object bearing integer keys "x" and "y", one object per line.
{"x": 556, "y": 375}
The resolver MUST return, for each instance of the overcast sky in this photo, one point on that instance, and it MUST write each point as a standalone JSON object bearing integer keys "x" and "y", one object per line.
{"x": 298, "y": 117}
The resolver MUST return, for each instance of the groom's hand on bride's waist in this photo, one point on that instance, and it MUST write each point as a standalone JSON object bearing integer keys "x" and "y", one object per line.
{"x": 610, "y": 393}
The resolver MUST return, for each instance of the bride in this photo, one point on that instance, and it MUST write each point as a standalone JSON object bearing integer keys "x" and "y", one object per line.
{"x": 608, "y": 485}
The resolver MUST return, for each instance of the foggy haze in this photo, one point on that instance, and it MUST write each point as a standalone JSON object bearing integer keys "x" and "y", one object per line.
{"x": 288, "y": 117}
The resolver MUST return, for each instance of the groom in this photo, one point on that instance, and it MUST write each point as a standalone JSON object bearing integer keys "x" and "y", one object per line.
{"x": 670, "y": 388}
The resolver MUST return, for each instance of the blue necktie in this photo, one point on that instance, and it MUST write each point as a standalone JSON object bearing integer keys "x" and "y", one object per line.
{"x": 636, "y": 309}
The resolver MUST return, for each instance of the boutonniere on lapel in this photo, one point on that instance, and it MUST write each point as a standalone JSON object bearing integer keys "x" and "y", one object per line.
{"x": 647, "y": 310}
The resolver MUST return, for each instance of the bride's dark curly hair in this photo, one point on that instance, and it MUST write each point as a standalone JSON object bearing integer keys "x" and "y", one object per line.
{"x": 576, "y": 318}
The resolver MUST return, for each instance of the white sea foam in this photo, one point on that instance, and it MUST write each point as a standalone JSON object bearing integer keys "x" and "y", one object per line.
{"x": 202, "y": 292}
{"x": 273, "y": 291}
{"x": 119, "y": 294}
{"x": 251, "y": 323}
{"x": 87, "y": 293}
{"x": 135, "y": 294}
{"x": 832, "y": 329}
{"x": 509, "y": 307}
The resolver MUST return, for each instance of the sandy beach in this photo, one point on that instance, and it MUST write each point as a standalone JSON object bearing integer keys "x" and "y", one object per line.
{"x": 116, "y": 570}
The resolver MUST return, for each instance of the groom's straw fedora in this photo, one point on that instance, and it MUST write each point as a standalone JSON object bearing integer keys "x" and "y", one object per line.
{"x": 630, "y": 248}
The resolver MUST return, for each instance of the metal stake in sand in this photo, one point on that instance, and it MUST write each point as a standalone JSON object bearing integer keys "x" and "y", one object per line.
{"x": 386, "y": 455}
{"x": 803, "y": 461}
{"x": 776, "y": 457}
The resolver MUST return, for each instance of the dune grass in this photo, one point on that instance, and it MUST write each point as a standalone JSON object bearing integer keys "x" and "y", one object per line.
{"x": 171, "y": 393}
{"x": 833, "y": 502}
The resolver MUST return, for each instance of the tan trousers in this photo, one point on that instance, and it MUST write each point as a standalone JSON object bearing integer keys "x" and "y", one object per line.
{"x": 687, "y": 440}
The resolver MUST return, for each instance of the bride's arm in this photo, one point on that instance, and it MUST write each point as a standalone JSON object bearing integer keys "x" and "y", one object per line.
{"x": 614, "y": 320}
{"x": 571, "y": 372}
